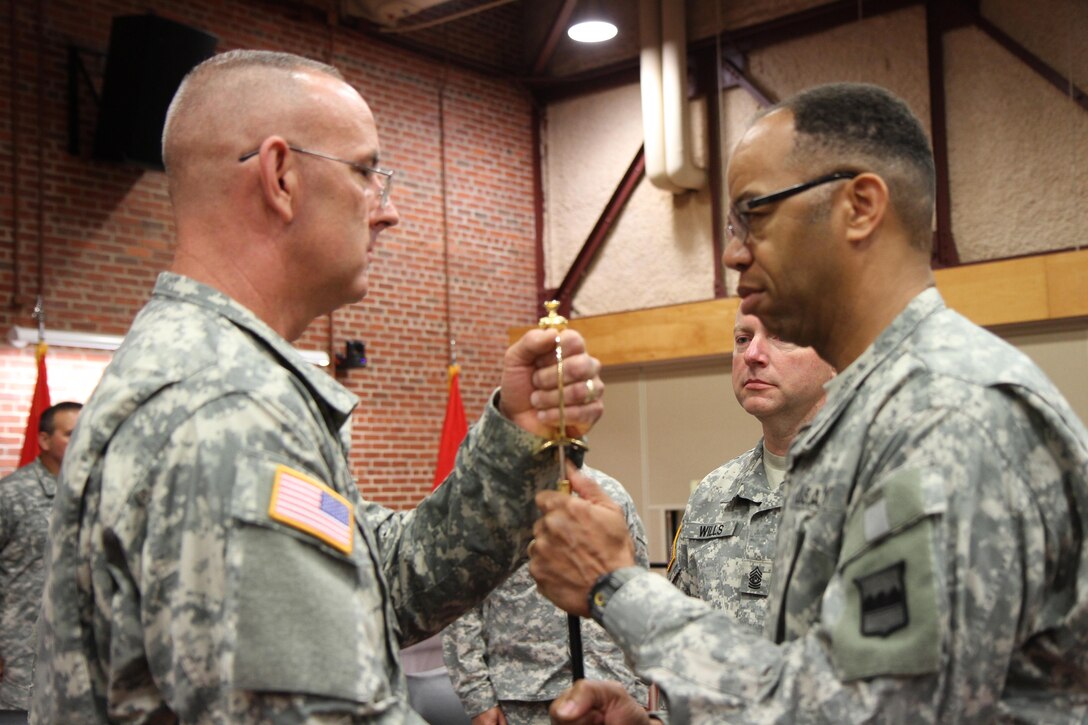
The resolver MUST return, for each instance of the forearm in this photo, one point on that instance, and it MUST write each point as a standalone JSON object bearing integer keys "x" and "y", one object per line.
{"x": 465, "y": 538}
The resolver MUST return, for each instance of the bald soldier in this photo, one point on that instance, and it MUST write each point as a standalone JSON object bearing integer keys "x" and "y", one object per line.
{"x": 931, "y": 548}
{"x": 724, "y": 550}
{"x": 211, "y": 557}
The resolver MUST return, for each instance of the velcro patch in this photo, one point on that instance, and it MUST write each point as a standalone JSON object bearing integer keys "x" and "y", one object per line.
{"x": 883, "y": 601}
{"x": 756, "y": 577}
{"x": 309, "y": 505}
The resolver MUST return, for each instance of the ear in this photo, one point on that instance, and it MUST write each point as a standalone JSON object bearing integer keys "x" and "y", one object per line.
{"x": 43, "y": 441}
{"x": 279, "y": 177}
{"x": 867, "y": 196}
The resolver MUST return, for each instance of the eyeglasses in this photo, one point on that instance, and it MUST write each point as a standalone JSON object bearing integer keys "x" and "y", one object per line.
{"x": 384, "y": 176}
{"x": 737, "y": 226}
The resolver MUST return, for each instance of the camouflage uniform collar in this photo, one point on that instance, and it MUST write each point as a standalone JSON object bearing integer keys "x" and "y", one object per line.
{"x": 175, "y": 286}
{"x": 751, "y": 483}
{"x": 843, "y": 387}
{"x": 46, "y": 480}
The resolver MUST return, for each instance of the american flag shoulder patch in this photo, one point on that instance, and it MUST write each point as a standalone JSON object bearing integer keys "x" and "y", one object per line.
{"x": 306, "y": 504}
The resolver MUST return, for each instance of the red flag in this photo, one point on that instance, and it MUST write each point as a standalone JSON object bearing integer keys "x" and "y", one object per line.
{"x": 31, "y": 449}
{"x": 454, "y": 429}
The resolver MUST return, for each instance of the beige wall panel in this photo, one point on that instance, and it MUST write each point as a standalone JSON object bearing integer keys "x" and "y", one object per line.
{"x": 1018, "y": 154}
{"x": 616, "y": 443}
{"x": 1053, "y": 30}
{"x": 589, "y": 142}
{"x": 660, "y": 250}
{"x": 889, "y": 50}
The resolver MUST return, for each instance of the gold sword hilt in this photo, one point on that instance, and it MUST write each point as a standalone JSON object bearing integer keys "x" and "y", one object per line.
{"x": 555, "y": 321}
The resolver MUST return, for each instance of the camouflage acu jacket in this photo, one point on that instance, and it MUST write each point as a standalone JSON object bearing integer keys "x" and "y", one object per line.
{"x": 725, "y": 549}
{"x": 931, "y": 551}
{"x": 212, "y": 560}
{"x": 514, "y": 646}
{"x": 26, "y": 500}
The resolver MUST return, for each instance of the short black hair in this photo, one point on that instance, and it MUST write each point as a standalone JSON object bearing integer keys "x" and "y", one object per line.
{"x": 868, "y": 127}
{"x": 45, "y": 423}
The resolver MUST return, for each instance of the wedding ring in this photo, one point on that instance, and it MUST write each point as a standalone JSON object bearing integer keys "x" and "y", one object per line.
{"x": 529, "y": 548}
{"x": 591, "y": 391}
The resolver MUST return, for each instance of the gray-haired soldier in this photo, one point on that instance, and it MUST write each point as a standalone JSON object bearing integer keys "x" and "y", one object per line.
{"x": 931, "y": 549}
{"x": 724, "y": 550}
{"x": 508, "y": 658}
{"x": 211, "y": 558}
{"x": 26, "y": 500}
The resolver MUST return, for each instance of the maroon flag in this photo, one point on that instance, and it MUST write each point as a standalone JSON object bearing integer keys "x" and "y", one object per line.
{"x": 38, "y": 404}
{"x": 454, "y": 429}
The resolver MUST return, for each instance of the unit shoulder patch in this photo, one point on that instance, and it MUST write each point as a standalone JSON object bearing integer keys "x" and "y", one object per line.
{"x": 883, "y": 601}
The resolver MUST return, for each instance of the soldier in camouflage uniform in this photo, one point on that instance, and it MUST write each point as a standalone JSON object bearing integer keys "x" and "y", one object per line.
{"x": 932, "y": 541}
{"x": 211, "y": 559}
{"x": 508, "y": 658}
{"x": 724, "y": 550}
{"x": 26, "y": 500}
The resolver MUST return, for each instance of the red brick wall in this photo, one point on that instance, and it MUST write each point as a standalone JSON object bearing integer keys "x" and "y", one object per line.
{"x": 107, "y": 228}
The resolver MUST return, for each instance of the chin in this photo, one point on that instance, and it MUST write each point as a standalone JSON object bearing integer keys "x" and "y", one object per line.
{"x": 759, "y": 406}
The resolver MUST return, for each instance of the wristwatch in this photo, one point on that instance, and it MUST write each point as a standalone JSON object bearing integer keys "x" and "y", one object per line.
{"x": 606, "y": 586}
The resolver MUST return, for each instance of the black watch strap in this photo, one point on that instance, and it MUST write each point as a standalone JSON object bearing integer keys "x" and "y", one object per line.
{"x": 606, "y": 586}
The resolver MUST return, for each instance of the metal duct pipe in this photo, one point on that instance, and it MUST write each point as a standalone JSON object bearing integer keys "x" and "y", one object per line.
{"x": 653, "y": 120}
{"x": 679, "y": 160}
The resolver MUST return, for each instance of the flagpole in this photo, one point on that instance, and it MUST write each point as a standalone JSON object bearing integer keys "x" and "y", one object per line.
{"x": 39, "y": 315}
{"x": 40, "y": 397}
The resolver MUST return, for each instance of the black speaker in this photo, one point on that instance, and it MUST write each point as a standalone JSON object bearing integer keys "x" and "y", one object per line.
{"x": 148, "y": 56}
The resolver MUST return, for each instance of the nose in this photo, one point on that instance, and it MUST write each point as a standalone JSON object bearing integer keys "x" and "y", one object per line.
{"x": 736, "y": 255}
{"x": 384, "y": 216}
{"x": 756, "y": 352}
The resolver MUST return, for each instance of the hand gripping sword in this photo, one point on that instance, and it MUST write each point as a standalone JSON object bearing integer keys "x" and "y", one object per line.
{"x": 560, "y": 441}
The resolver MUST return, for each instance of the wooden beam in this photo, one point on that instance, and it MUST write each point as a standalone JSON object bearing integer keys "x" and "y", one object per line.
{"x": 1034, "y": 289}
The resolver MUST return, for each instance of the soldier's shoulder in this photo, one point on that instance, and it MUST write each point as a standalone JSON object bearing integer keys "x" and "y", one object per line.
{"x": 611, "y": 486}
{"x": 722, "y": 479}
{"x": 19, "y": 482}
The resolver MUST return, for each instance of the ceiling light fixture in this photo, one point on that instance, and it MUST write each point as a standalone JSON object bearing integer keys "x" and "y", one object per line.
{"x": 591, "y": 25}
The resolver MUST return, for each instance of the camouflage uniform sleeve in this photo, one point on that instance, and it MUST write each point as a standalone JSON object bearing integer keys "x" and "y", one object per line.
{"x": 963, "y": 526}
{"x": 678, "y": 572}
{"x": 7, "y": 525}
{"x": 263, "y": 623}
{"x": 7, "y": 520}
{"x": 464, "y": 650}
{"x": 638, "y": 534}
{"x": 464, "y": 539}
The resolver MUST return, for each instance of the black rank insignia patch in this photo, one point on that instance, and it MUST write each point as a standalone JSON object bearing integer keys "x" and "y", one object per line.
{"x": 883, "y": 601}
{"x": 756, "y": 577}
